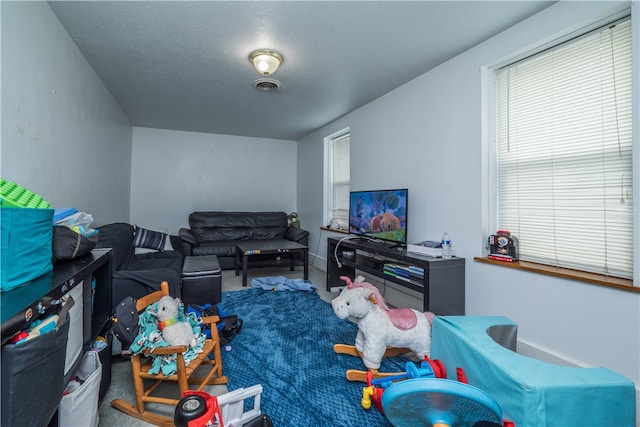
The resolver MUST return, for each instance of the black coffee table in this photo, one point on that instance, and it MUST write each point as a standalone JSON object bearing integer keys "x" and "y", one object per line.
{"x": 244, "y": 250}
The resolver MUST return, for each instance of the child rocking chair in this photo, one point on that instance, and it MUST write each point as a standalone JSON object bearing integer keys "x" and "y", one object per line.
{"x": 141, "y": 363}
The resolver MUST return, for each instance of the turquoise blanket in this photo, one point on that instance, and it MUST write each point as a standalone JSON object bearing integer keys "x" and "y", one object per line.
{"x": 149, "y": 338}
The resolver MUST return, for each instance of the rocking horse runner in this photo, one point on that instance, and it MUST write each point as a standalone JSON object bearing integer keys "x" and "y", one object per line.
{"x": 382, "y": 332}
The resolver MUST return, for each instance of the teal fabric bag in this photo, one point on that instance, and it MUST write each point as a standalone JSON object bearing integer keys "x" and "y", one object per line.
{"x": 26, "y": 252}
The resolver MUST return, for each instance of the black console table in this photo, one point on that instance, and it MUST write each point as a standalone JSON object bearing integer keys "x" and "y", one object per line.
{"x": 442, "y": 287}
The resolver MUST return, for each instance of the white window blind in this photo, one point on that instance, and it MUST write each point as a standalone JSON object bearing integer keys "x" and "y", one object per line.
{"x": 565, "y": 153}
{"x": 340, "y": 177}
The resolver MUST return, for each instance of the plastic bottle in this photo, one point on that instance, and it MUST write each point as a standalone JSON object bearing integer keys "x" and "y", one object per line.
{"x": 446, "y": 246}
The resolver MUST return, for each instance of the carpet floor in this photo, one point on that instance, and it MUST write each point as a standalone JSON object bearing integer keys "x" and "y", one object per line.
{"x": 286, "y": 345}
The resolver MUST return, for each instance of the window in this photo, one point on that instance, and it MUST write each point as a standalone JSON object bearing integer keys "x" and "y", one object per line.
{"x": 564, "y": 153}
{"x": 337, "y": 149}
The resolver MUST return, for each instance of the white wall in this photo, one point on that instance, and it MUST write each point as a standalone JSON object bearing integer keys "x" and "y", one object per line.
{"x": 174, "y": 173}
{"x": 427, "y": 136}
{"x": 63, "y": 135}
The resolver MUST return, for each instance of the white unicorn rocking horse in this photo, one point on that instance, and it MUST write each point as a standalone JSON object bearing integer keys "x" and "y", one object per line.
{"x": 382, "y": 332}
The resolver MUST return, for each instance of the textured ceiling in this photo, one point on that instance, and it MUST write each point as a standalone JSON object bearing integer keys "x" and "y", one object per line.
{"x": 184, "y": 65}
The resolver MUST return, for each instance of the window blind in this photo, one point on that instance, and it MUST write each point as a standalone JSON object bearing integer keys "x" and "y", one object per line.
{"x": 564, "y": 153}
{"x": 340, "y": 185}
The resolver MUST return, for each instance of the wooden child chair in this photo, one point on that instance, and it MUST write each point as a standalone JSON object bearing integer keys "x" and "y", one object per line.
{"x": 141, "y": 363}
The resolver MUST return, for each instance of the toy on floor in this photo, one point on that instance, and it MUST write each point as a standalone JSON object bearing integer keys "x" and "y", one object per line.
{"x": 531, "y": 392}
{"x": 379, "y": 326}
{"x": 360, "y": 375}
{"x": 424, "y": 397}
{"x": 174, "y": 330}
{"x": 375, "y": 386}
{"x": 439, "y": 402}
{"x": 200, "y": 409}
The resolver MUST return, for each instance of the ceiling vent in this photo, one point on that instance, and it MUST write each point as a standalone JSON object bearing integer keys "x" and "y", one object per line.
{"x": 266, "y": 85}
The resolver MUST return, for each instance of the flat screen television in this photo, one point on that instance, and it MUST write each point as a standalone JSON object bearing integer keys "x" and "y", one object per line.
{"x": 379, "y": 214}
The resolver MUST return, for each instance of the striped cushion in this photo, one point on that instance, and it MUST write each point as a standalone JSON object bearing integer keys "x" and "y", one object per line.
{"x": 145, "y": 238}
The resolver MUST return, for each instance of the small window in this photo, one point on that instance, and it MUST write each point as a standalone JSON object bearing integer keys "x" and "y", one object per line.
{"x": 564, "y": 153}
{"x": 337, "y": 176}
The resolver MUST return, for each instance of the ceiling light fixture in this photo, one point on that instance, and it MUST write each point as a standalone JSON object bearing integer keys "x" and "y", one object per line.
{"x": 266, "y": 61}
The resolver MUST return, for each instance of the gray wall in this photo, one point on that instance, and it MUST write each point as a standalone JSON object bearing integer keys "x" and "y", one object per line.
{"x": 63, "y": 135}
{"x": 175, "y": 173}
{"x": 427, "y": 135}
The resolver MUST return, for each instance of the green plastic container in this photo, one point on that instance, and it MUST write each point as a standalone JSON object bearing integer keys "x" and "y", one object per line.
{"x": 15, "y": 196}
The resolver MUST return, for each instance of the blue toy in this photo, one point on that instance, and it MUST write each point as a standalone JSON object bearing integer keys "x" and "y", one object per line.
{"x": 424, "y": 397}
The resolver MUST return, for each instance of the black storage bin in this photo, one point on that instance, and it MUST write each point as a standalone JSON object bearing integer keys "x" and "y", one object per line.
{"x": 105, "y": 359}
{"x": 33, "y": 378}
{"x": 201, "y": 280}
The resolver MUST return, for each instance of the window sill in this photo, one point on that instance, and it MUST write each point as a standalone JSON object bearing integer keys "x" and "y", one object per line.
{"x": 334, "y": 230}
{"x": 566, "y": 273}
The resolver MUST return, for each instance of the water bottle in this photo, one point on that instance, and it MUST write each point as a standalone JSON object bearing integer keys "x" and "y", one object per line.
{"x": 446, "y": 246}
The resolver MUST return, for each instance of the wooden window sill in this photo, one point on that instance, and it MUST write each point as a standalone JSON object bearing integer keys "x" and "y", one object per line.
{"x": 335, "y": 230}
{"x": 583, "y": 276}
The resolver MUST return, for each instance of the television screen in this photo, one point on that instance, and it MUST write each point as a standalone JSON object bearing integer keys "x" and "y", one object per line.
{"x": 379, "y": 214}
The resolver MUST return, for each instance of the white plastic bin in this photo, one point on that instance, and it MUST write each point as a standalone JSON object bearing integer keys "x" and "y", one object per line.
{"x": 80, "y": 407}
{"x": 76, "y": 327}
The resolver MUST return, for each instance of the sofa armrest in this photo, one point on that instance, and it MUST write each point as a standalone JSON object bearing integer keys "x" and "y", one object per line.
{"x": 187, "y": 236}
{"x": 177, "y": 244}
{"x": 189, "y": 241}
{"x": 297, "y": 235}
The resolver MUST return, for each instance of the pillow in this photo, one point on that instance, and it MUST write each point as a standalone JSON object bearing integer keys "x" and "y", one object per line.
{"x": 145, "y": 238}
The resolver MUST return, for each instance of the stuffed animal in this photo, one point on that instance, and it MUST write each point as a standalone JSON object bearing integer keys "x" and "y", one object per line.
{"x": 385, "y": 222}
{"x": 174, "y": 331}
{"x": 379, "y": 326}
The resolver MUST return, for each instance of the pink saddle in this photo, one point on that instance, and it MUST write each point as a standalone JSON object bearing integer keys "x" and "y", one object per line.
{"x": 402, "y": 318}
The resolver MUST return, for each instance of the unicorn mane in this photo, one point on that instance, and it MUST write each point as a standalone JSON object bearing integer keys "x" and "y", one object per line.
{"x": 369, "y": 286}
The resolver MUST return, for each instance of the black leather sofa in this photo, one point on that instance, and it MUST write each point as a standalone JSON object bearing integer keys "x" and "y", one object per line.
{"x": 137, "y": 275}
{"x": 216, "y": 233}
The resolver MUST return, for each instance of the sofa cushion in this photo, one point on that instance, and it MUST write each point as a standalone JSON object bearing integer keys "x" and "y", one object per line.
{"x": 221, "y": 225}
{"x": 237, "y": 219}
{"x": 220, "y": 248}
{"x": 119, "y": 237}
{"x": 222, "y": 234}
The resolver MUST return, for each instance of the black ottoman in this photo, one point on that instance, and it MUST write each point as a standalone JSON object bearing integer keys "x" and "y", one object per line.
{"x": 201, "y": 280}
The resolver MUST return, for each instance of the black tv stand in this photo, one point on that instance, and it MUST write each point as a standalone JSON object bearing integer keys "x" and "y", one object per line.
{"x": 397, "y": 246}
{"x": 442, "y": 286}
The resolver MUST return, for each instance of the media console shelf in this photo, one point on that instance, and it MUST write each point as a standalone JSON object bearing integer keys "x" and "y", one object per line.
{"x": 442, "y": 286}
